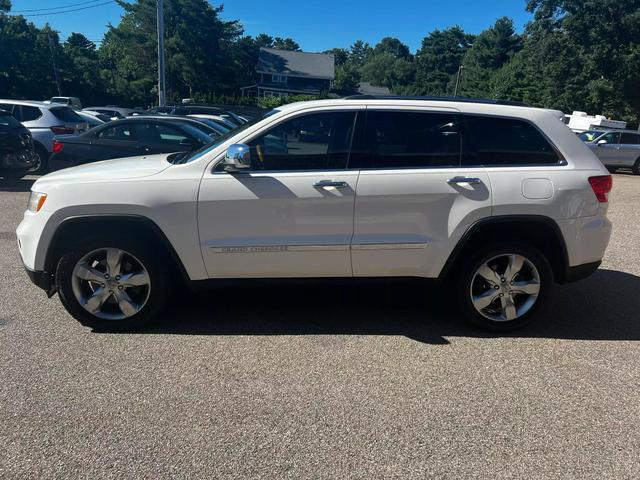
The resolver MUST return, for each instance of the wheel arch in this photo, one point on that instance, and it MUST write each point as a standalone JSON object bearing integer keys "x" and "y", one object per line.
{"x": 540, "y": 231}
{"x": 83, "y": 226}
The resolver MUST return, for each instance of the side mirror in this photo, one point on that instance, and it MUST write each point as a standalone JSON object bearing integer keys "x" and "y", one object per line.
{"x": 602, "y": 142}
{"x": 238, "y": 157}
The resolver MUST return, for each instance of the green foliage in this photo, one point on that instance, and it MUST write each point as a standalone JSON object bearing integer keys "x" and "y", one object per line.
{"x": 347, "y": 78}
{"x": 274, "y": 102}
{"x": 574, "y": 55}
{"x": 491, "y": 50}
{"x": 438, "y": 60}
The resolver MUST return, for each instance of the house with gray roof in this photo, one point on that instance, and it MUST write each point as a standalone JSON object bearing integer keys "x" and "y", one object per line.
{"x": 283, "y": 72}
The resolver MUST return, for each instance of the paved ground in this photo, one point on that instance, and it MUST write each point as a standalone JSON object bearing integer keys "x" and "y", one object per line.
{"x": 367, "y": 382}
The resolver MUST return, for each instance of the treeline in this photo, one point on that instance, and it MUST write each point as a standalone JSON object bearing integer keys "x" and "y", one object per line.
{"x": 574, "y": 55}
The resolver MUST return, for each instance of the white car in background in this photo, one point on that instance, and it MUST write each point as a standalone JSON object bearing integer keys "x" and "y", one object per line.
{"x": 497, "y": 201}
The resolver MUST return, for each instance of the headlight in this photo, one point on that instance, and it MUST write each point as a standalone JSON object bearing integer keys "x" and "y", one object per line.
{"x": 36, "y": 201}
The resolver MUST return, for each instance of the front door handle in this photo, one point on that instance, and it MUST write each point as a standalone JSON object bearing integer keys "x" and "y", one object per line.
{"x": 469, "y": 180}
{"x": 330, "y": 183}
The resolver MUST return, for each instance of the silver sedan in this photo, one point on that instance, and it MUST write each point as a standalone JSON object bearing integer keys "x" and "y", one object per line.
{"x": 615, "y": 148}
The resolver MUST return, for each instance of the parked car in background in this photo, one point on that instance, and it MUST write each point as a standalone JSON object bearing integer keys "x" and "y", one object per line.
{"x": 229, "y": 125}
{"x": 72, "y": 102}
{"x": 93, "y": 120}
{"x": 498, "y": 202}
{"x": 218, "y": 126}
{"x": 17, "y": 156}
{"x": 130, "y": 137}
{"x": 166, "y": 110}
{"x": 200, "y": 109}
{"x": 615, "y": 148}
{"x": 99, "y": 116}
{"x": 44, "y": 121}
{"x": 114, "y": 112}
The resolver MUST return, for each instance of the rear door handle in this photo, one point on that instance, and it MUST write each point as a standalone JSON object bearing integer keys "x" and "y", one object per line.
{"x": 330, "y": 183}
{"x": 469, "y": 180}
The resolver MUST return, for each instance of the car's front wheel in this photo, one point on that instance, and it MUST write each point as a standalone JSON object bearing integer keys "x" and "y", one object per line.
{"x": 112, "y": 284}
{"x": 502, "y": 287}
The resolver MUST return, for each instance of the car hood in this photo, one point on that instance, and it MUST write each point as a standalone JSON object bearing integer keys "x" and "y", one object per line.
{"x": 118, "y": 169}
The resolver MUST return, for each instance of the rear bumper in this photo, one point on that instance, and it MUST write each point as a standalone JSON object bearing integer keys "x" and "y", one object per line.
{"x": 580, "y": 272}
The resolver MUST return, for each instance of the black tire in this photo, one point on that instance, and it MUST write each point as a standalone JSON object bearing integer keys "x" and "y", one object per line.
{"x": 636, "y": 167}
{"x": 468, "y": 270}
{"x": 43, "y": 155}
{"x": 148, "y": 257}
{"x": 612, "y": 169}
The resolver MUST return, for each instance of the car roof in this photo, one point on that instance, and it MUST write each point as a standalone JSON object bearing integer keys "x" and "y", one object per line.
{"x": 32, "y": 103}
{"x": 462, "y": 105}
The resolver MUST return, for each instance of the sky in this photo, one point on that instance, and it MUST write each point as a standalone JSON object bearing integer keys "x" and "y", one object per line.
{"x": 315, "y": 25}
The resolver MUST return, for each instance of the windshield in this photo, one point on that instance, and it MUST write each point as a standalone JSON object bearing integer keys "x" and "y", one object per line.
{"x": 216, "y": 126}
{"x": 590, "y": 135}
{"x": 191, "y": 156}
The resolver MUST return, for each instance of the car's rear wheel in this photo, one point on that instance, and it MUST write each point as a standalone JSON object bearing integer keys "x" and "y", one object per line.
{"x": 636, "y": 167}
{"x": 43, "y": 160}
{"x": 112, "y": 284}
{"x": 502, "y": 287}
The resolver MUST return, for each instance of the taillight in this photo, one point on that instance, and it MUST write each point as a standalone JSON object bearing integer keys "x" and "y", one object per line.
{"x": 62, "y": 130}
{"x": 601, "y": 186}
{"x": 57, "y": 146}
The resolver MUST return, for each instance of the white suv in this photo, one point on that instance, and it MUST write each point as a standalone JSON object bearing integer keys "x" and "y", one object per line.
{"x": 499, "y": 200}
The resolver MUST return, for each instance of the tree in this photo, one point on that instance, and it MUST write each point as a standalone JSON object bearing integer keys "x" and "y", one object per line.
{"x": 347, "y": 78}
{"x": 394, "y": 47}
{"x": 340, "y": 55}
{"x": 583, "y": 55}
{"x": 360, "y": 53}
{"x": 491, "y": 50}
{"x": 438, "y": 60}
{"x": 286, "y": 44}
{"x": 198, "y": 50}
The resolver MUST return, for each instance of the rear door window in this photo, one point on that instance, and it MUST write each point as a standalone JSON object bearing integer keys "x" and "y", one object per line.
{"x": 124, "y": 132}
{"x": 630, "y": 138}
{"x": 498, "y": 141}
{"x": 412, "y": 140}
{"x": 65, "y": 114}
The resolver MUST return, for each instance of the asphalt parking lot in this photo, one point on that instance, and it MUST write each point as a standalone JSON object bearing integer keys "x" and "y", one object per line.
{"x": 325, "y": 381}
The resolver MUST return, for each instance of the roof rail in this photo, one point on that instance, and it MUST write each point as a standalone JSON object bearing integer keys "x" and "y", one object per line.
{"x": 489, "y": 101}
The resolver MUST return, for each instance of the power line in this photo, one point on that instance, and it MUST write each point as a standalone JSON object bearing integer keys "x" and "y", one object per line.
{"x": 54, "y": 8}
{"x": 69, "y": 11}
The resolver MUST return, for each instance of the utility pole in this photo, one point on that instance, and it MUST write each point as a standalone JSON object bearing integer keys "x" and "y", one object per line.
{"x": 53, "y": 61}
{"x": 455, "y": 94}
{"x": 161, "y": 85}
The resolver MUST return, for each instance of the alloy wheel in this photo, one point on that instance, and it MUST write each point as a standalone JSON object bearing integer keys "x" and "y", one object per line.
{"x": 111, "y": 284}
{"x": 505, "y": 287}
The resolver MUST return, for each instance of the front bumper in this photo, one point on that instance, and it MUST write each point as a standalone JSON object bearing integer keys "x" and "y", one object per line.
{"x": 43, "y": 280}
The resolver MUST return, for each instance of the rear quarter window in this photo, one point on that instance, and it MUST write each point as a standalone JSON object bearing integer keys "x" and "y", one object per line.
{"x": 29, "y": 113}
{"x": 65, "y": 114}
{"x": 497, "y": 141}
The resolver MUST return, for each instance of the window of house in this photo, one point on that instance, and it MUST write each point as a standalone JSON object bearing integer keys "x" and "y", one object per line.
{"x": 312, "y": 142}
{"x": 277, "y": 78}
{"x": 412, "y": 140}
{"x": 495, "y": 141}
